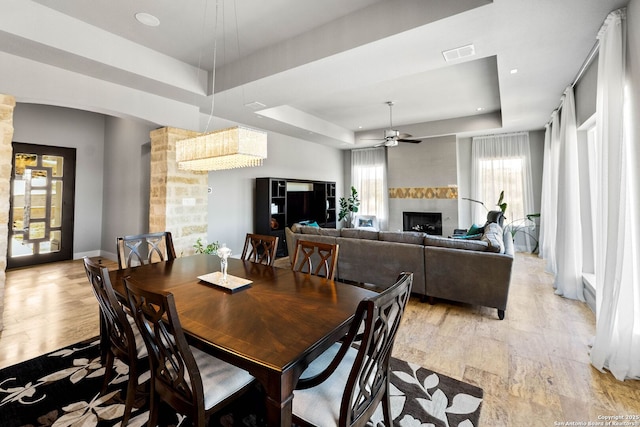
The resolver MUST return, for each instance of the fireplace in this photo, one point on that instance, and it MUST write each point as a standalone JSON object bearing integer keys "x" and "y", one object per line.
{"x": 427, "y": 222}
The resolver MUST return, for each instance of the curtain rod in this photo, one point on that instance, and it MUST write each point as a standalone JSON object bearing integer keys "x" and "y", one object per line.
{"x": 523, "y": 132}
{"x": 587, "y": 62}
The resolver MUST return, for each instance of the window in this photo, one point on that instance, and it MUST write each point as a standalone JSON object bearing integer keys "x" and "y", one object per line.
{"x": 501, "y": 163}
{"x": 369, "y": 177}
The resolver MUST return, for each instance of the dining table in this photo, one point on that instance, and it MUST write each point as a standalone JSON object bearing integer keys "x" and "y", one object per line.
{"x": 273, "y": 327}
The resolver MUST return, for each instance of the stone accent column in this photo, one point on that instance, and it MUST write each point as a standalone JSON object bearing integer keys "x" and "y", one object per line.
{"x": 7, "y": 104}
{"x": 178, "y": 199}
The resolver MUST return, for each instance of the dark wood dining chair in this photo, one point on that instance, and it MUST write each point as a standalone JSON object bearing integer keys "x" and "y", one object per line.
{"x": 189, "y": 380}
{"x": 146, "y": 248}
{"x": 345, "y": 385}
{"x": 323, "y": 255}
{"x": 122, "y": 338}
{"x": 260, "y": 248}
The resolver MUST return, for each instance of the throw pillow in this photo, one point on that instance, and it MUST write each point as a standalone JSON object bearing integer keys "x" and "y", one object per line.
{"x": 493, "y": 236}
{"x": 475, "y": 229}
{"x": 362, "y": 222}
{"x": 477, "y": 236}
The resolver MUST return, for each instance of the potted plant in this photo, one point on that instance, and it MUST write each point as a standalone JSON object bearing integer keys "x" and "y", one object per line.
{"x": 348, "y": 207}
{"x": 201, "y": 248}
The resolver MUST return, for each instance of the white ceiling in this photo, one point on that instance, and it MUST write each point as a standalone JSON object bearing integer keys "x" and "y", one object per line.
{"x": 324, "y": 69}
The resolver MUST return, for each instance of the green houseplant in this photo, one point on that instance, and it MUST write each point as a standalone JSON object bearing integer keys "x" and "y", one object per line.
{"x": 201, "y": 248}
{"x": 501, "y": 203}
{"x": 349, "y": 207}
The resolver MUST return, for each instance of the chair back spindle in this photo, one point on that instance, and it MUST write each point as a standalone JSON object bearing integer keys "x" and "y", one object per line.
{"x": 260, "y": 248}
{"x": 361, "y": 371}
{"x": 315, "y": 258}
{"x": 143, "y": 249}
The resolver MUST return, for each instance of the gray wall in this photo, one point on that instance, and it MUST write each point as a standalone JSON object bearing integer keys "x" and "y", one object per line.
{"x": 112, "y": 175}
{"x": 126, "y": 181}
{"x": 63, "y": 127}
{"x": 231, "y": 202}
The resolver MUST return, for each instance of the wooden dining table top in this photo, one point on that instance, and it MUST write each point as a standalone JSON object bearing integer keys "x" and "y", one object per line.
{"x": 273, "y": 328}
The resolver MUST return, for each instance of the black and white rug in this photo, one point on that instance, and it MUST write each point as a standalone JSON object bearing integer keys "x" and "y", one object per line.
{"x": 62, "y": 389}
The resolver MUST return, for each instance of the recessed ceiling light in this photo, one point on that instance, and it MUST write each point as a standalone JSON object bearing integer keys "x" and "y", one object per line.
{"x": 147, "y": 19}
{"x": 480, "y": 109}
{"x": 514, "y": 71}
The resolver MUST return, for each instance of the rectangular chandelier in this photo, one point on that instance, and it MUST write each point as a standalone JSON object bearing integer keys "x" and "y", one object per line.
{"x": 236, "y": 147}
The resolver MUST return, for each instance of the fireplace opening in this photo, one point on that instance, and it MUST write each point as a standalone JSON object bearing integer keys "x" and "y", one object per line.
{"x": 426, "y": 222}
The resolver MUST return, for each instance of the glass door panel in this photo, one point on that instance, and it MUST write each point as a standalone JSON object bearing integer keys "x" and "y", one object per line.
{"x": 41, "y": 205}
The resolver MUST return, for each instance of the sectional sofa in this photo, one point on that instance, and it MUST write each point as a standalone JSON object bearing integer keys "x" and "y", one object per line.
{"x": 475, "y": 272}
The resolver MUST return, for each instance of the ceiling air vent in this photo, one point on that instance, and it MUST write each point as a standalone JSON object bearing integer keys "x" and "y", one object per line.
{"x": 459, "y": 52}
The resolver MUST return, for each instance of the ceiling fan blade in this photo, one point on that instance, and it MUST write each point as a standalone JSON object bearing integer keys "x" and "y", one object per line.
{"x": 412, "y": 141}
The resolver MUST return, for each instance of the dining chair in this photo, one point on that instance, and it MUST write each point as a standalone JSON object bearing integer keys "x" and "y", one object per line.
{"x": 260, "y": 248}
{"x": 122, "y": 337}
{"x": 189, "y": 380}
{"x": 345, "y": 384}
{"x": 323, "y": 255}
{"x": 146, "y": 248}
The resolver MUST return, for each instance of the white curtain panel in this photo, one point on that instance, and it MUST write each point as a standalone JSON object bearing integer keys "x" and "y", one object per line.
{"x": 503, "y": 163}
{"x": 568, "y": 279}
{"x": 617, "y": 342}
{"x": 547, "y": 215}
{"x": 546, "y": 184}
{"x": 549, "y": 203}
{"x": 369, "y": 177}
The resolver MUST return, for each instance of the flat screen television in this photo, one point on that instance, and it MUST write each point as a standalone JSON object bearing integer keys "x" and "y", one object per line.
{"x": 300, "y": 207}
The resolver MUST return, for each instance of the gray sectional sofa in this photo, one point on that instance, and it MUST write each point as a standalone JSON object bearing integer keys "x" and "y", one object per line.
{"x": 470, "y": 271}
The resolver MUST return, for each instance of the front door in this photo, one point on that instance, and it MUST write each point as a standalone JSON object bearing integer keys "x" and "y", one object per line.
{"x": 42, "y": 205}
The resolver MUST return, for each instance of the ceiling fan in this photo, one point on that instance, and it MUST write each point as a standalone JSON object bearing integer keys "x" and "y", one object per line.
{"x": 393, "y": 136}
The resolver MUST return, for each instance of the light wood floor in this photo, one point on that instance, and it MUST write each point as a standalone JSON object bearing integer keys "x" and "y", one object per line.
{"x": 533, "y": 366}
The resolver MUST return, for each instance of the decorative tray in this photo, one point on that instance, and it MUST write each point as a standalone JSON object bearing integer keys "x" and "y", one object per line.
{"x": 232, "y": 284}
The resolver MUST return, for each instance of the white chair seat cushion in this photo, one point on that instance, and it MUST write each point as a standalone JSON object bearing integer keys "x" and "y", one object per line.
{"x": 141, "y": 348}
{"x": 320, "y": 405}
{"x": 219, "y": 378}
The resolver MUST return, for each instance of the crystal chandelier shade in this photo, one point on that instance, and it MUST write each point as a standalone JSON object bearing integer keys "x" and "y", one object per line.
{"x": 230, "y": 148}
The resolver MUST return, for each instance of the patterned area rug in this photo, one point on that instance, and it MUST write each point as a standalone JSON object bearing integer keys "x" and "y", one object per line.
{"x": 63, "y": 389}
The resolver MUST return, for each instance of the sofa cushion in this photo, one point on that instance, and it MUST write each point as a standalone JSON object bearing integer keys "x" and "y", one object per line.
{"x": 493, "y": 236}
{"x": 445, "y": 242}
{"x": 359, "y": 234}
{"x": 309, "y": 229}
{"x": 412, "y": 237}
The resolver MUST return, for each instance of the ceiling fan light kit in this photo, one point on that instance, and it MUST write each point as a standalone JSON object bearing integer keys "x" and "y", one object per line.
{"x": 393, "y": 136}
